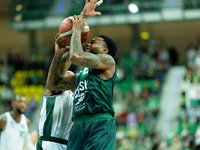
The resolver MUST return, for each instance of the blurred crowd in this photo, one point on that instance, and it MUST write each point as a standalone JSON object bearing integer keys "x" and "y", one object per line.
{"x": 136, "y": 102}
{"x": 193, "y": 63}
{"x": 23, "y": 74}
{"x": 141, "y": 74}
{"x": 140, "y": 111}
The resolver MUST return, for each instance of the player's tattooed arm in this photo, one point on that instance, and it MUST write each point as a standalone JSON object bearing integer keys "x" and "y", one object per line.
{"x": 86, "y": 59}
{"x": 65, "y": 64}
{"x": 55, "y": 82}
{"x": 2, "y": 122}
{"x": 65, "y": 83}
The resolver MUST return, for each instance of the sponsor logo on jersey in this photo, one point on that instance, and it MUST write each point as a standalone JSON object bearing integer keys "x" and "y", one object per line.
{"x": 81, "y": 88}
{"x": 85, "y": 71}
{"x": 80, "y": 92}
{"x": 22, "y": 133}
{"x": 80, "y": 100}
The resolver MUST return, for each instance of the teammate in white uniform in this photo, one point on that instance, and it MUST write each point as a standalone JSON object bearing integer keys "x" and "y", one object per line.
{"x": 14, "y": 127}
{"x": 55, "y": 119}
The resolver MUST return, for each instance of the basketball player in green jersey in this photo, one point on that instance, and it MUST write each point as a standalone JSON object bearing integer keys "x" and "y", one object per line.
{"x": 14, "y": 127}
{"x": 94, "y": 127}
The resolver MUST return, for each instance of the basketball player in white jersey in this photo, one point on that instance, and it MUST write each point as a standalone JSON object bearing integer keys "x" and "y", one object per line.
{"x": 14, "y": 127}
{"x": 55, "y": 120}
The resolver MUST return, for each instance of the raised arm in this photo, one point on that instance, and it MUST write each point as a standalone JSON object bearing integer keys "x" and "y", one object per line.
{"x": 65, "y": 64}
{"x": 56, "y": 82}
{"x": 89, "y": 9}
{"x": 96, "y": 59}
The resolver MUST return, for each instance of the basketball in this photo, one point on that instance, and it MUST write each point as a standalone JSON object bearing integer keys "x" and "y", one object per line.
{"x": 65, "y": 31}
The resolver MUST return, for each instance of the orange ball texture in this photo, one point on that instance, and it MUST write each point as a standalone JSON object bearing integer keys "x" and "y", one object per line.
{"x": 65, "y": 31}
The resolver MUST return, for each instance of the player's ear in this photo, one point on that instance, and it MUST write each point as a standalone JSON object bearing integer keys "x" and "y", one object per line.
{"x": 105, "y": 51}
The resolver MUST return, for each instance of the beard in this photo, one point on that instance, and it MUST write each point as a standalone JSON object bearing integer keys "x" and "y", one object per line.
{"x": 86, "y": 50}
{"x": 19, "y": 111}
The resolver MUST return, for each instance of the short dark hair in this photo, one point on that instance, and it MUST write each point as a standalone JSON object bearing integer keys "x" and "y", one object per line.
{"x": 111, "y": 45}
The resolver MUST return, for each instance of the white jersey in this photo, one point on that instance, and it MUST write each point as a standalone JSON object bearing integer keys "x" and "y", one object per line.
{"x": 13, "y": 135}
{"x": 55, "y": 120}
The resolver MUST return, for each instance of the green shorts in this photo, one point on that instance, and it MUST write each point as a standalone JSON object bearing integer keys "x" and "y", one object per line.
{"x": 93, "y": 134}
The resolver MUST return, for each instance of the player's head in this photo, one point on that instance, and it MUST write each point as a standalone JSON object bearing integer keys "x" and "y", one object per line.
{"x": 19, "y": 104}
{"x": 102, "y": 44}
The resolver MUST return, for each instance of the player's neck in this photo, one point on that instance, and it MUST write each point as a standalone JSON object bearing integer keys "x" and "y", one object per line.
{"x": 16, "y": 116}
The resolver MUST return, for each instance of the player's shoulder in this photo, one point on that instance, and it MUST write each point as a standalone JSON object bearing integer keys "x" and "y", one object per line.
{"x": 107, "y": 59}
{"x": 111, "y": 59}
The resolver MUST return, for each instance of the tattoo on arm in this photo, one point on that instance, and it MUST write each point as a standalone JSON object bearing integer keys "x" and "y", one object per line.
{"x": 54, "y": 68}
{"x": 76, "y": 46}
{"x": 93, "y": 62}
{"x": 107, "y": 60}
{"x": 53, "y": 71}
{"x": 63, "y": 83}
{"x": 89, "y": 59}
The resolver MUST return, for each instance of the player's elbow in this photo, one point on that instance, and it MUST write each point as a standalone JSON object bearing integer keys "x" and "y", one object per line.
{"x": 51, "y": 86}
{"x": 74, "y": 57}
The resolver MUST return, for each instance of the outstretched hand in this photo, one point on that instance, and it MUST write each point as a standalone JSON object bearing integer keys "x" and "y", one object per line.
{"x": 79, "y": 23}
{"x": 60, "y": 45}
{"x": 89, "y": 9}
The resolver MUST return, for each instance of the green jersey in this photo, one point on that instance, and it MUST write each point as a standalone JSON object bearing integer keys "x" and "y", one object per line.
{"x": 93, "y": 95}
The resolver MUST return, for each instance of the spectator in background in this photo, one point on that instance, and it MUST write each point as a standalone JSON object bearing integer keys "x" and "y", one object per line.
{"x": 6, "y": 96}
{"x": 156, "y": 89}
{"x": 1, "y": 58}
{"x": 19, "y": 62}
{"x": 187, "y": 145}
{"x": 197, "y": 62}
{"x": 137, "y": 89}
{"x": 190, "y": 51}
{"x": 197, "y": 138}
{"x": 164, "y": 55}
{"x": 5, "y": 74}
{"x": 173, "y": 55}
{"x": 121, "y": 75}
{"x": 32, "y": 105}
